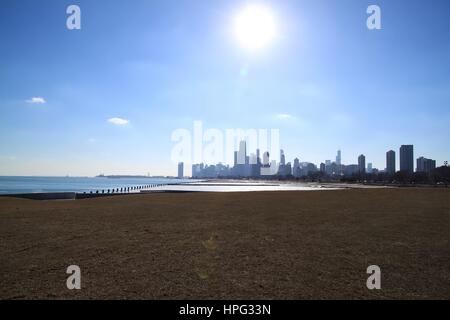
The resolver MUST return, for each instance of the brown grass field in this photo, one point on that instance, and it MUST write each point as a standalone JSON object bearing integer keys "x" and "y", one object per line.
{"x": 261, "y": 245}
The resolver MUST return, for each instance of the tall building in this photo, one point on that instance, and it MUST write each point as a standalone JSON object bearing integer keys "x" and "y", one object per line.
{"x": 362, "y": 164}
{"x": 241, "y": 169}
{"x": 390, "y": 162}
{"x": 255, "y": 164}
{"x": 296, "y": 168}
{"x": 196, "y": 171}
{"x": 282, "y": 158}
{"x": 339, "y": 162}
{"x": 328, "y": 167}
{"x": 180, "y": 170}
{"x": 369, "y": 167}
{"x": 407, "y": 158}
{"x": 288, "y": 169}
{"x": 425, "y": 165}
{"x": 266, "y": 158}
{"x": 282, "y": 171}
{"x": 322, "y": 167}
{"x": 338, "y": 158}
{"x": 242, "y": 153}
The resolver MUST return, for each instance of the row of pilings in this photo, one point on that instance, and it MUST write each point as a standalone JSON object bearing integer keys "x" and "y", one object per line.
{"x": 123, "y": 190}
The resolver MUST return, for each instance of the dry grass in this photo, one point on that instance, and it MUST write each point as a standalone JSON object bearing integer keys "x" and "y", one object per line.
{"x": 272, "y": 245}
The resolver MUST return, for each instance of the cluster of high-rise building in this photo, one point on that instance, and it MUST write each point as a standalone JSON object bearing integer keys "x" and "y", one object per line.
{"x": 406, "y": 164}
{"x": 338, "y": 169}
{"x": 253, "y": 166}
{"x": 407, "y": 161}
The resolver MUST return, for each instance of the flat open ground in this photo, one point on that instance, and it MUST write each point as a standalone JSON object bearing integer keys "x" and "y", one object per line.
{"x": 260, "y": 245}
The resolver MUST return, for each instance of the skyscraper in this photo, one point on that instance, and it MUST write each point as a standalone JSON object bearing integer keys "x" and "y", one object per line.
{"x": 407, "y": 158}
{"x": 288, "y": 169}
{"x": 425, "y": 165}
{"x": 322, "y": 167}
{"x": 362, "y": 164}
{"x": 338, "y": 162}
{"x": 282, "y": 158}
{"x": 390, "y": 162}
{"x": 242, "y": 154}
{"x": 296, "y": 168}
{"x": 266, "y": 159}
{"x": 282, "y": 166}
{"x": 242, "y": 167}
{"x": 338, "y": 158}
{"x": 180, "y": 170}
{"x": 328, "y": 167}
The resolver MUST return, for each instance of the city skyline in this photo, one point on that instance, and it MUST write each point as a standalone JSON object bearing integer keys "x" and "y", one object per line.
{"x": 106, "y": 98}
{"x": 252, "y": 165}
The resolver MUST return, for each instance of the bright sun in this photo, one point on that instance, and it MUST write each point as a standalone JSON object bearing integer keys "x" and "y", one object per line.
{"x": 254, "y": 26}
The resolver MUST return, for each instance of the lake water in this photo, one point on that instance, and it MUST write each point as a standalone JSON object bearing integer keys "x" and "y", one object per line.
{"x": 15, "y": 185}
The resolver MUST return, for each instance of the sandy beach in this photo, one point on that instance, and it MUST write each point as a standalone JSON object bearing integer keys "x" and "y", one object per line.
{"x": 260, "y": 245}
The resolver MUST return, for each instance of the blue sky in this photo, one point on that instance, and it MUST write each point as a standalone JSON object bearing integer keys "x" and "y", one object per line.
{"x": 163, "y": 64}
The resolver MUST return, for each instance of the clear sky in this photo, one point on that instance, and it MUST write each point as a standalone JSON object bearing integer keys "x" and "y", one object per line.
{"x": 325, "y": 81}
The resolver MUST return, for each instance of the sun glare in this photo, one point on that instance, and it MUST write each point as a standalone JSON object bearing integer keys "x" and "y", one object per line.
{"x": 254, "y": 27}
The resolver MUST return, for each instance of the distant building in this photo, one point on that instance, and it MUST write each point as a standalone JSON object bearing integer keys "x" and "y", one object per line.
{"x": 390, "y": 162}
{"x": 180, "y": 170}
{"x": 282, "y": 169}
{"x": 425, "y": 165}
{"x": 288, "y": 169}
{"x": 334, "y": 169}
{"x": 196, "y": 171}
{"x": 241, "y": 168}
{"x": 282, "y": 158}
{"x": 222, "y": 170}
{"x": 307, "y": 168}
{"x": 254, "y": 165}
{"x": 266, "y": 159}
{"x": 369, "y": 167}
{"x": 339, "y": 163}
{"x": 322, "y": 167}
{"x": 351, "y": 169}
{"x": 201, "y": 171}
{"x": 242, "y": 153}
{"x": 338, "y": 158}
{"x": 407, "y": 158}
{"x": 296, "y": 168}
{"x": 362, "y": 164}
{"x": 328, "y": 169}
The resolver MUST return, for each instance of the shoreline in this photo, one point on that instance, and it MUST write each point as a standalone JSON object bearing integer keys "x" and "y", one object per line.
{"x": 190, "y": 187}
{"x": 215, "y": 185}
